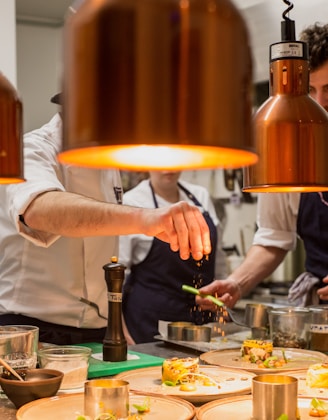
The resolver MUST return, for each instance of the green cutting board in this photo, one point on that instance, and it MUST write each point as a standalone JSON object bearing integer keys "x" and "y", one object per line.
{"x": 98, "y": 368}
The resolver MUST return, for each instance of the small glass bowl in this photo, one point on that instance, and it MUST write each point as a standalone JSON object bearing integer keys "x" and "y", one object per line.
{"x": 73, "y": 361}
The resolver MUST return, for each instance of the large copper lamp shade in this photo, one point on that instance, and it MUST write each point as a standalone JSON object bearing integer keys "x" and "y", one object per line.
{"x": 290, "y": 128}
{"x": 11, "y": 133}
{"x": 157, "y": 84}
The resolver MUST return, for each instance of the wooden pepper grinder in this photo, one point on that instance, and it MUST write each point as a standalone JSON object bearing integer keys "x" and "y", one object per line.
{"x": 114, "y": 344}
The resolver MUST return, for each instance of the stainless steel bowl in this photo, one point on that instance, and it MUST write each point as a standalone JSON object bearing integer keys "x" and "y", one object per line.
{"x": 175, "y": 330}
{"x": 197, "y": 333}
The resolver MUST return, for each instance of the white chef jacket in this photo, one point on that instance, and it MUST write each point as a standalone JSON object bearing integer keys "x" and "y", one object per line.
{"x": 43, "y": 275}
{"x": 134, "y": 248}
{"x": 277, "y": 220}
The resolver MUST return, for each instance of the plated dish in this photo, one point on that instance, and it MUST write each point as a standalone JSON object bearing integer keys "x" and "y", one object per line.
{"x": 241, "y": 408}
{"x": 230, "y": 381}
{"x": 307, "y": 391}
{"x": 66, "y": 407}
{"x": 298, "y": 359}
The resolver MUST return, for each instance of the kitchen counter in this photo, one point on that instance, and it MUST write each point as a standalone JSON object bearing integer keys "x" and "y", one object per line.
{"x": 157, "y": 348}
{"x": 160, "y": 349}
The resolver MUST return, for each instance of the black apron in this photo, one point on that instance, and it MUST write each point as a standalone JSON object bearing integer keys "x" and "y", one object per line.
{"x": 152, "y": 290}
{"x": 312, "y": 227}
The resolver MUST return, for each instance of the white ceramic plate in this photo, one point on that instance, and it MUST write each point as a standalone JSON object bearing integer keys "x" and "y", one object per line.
{"x": 231, "y": 382}
{"x": 298, "y": 359}
{"x": 241, "y": 408}
{"x": 66, "y": 407}
{"x": 306, "y": 391}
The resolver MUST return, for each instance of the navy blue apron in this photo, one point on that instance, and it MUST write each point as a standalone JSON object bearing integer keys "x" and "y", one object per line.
{"x": 152, "y": 291}
{"x": 312, "y": 227}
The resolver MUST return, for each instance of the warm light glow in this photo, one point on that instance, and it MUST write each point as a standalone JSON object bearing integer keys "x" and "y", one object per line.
{"x": 160, "y": 157}
{"x": 4, "y": 180}
{"x": 285, "y": 188}
{"x": 162, "y": 84}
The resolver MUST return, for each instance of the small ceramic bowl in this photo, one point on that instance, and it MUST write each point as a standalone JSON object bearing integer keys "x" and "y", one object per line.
{"x": 38, "y": 383}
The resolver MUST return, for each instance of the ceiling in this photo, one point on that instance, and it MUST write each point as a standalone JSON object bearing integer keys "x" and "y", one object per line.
{"x": 53, "y": 11}
{"x": 46, "y": 12}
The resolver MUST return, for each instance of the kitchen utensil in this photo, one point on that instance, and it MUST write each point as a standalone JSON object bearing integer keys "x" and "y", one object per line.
{"x": 235, "y": 316}
{"x": 175, "y": 330}
{"x": 289, "y": 326}
{"x": 319, "y": 328}
{"x": 73, "y": 361}
{"x": 18, "y": 345}
{"x": 196, "y": 333}
{"x": 256, "y": 317}
{"x": 38, "y": 383}
{"x": 274, "y": 395}
{"x": 10, "y": 369}
{"x": 106, "y": 395}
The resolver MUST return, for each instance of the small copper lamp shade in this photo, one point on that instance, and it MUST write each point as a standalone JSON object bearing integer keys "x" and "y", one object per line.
{"x": 157, "y": 84}
{"x": 11, "y": 133}
{"x": 290, "y": 129}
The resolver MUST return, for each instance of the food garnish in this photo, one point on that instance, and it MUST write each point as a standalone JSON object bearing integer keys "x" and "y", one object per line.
{"x": 106, "y": 416}
{"x": 143, "y": 408}
{"x": 192, "y": 378}
{"x": 318, "y": 408}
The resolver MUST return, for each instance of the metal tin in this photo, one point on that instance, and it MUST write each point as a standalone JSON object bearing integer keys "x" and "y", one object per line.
{"x": 175, "y": 330}
{"x": 197, "y": 333}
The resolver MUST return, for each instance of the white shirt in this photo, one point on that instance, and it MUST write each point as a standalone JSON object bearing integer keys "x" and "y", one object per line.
{"x": 43, "y": 275}
{"x": 277, "y": 220}
{"x": 134, "y": 248}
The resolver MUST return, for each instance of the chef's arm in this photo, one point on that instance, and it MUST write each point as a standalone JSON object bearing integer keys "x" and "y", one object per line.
{"x": 67, "y": 214}
{"x": 258, "y": 264}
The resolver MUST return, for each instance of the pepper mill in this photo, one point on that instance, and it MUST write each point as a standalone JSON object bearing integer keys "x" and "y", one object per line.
{"x": 114, "y": 344}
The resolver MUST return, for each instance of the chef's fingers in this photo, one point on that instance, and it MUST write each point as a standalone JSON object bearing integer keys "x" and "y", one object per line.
{"x": 186, "y": 230}
{"x": 323, "y": 293}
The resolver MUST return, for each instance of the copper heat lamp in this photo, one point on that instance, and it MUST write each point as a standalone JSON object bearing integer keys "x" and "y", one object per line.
{"x": 157, "y": 84}
{"x": 11, "y": 133}
{"x": 290, "y": 128}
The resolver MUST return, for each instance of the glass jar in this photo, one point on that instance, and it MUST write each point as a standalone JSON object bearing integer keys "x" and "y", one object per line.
{"x": 319, "y": 328}
{"x": 289, "y": 327}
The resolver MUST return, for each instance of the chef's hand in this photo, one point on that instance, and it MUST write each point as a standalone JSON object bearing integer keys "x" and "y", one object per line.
{"x": 228, "y": 291}
{"x": 183, "y": 226}
{"x": 323, "y": 291}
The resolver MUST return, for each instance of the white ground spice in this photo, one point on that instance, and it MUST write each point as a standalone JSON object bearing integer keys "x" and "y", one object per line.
{"x": 75, "y": 372}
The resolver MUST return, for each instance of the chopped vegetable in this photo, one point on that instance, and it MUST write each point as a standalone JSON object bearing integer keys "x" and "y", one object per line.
{"x": 194, "y": 291}
{"x": 143, "y": 408}
{"x": 283, "y": 417}
{"x": 318, "y": 408}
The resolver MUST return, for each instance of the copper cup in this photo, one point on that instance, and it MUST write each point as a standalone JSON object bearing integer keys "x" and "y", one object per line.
{"x": 106, "y": 396}
{"x": 274, "y": 395}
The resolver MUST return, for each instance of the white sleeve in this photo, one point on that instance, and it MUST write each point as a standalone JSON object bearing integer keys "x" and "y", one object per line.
{"x": 277, "y": 220}
{"x": 42, "y": 174}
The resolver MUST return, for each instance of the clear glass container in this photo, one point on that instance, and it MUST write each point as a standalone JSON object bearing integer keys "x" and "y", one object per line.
{"x": 73, "y": 361}
{"x": 289, "y": 327}
{"x": 319, "y": 328}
